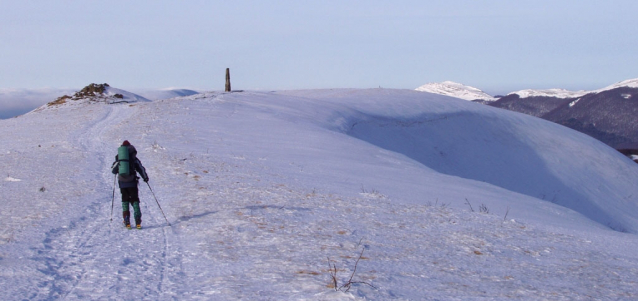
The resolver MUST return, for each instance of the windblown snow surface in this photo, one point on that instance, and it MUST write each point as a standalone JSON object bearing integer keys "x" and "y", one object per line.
{"x": 267, "y": 193}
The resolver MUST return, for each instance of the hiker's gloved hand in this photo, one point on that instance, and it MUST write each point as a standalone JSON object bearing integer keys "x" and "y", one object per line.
{"x": 146, "y": 180}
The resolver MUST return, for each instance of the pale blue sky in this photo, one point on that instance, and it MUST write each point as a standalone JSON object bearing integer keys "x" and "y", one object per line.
{"x": 498, "y": 46}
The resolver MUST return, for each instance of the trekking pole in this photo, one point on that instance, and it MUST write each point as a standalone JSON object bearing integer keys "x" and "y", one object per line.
{"x": 158, "y": 204}
{"x": 113, "y": 200}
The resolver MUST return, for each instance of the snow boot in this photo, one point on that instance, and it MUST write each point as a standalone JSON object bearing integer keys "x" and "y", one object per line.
{"x": 127, "y": 219}
{"x": 138, "y": 222}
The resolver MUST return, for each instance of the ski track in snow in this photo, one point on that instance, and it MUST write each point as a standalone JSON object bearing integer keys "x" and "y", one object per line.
{"x": 248, "y": 225}
{"x": 79, "y": 257}
{"x": 145, "y": 251}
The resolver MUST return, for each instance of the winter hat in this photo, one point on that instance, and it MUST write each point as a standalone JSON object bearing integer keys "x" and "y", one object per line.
{"x": 126, "y": 143}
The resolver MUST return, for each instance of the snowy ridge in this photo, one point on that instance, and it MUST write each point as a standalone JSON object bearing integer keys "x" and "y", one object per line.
{"x": 447, "y": 200}
{"x": 630, "y": 83}
{"x": 111, "y": 92}
{"x": 457, "y": 90}
{"x": 165, "y": 93}
{"x": 557, "y": 93}
{"x": 562, "y": 93}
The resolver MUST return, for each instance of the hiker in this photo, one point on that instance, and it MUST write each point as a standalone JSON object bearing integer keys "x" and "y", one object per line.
{"x": 127, "y": 165}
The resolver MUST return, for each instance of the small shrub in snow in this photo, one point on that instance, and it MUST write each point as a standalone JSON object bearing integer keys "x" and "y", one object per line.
{"x": 484, "y": 209}
{"x": 372, "y": 193}
{"x": 468, "y": 203}
{"x": 506, "y": 213}
{"x": 334, "y": 281}
{"x": 436, "y": 204}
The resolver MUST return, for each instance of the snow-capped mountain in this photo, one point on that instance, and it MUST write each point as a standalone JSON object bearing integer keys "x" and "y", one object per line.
{"x": 562, "y": 93}
{"x": 607, "y": 114}
{"x": 556, "y": 93}
{"x": 389, "y": 194}
{"x": 449, "y": 88}
{"x": 630, "y": 83}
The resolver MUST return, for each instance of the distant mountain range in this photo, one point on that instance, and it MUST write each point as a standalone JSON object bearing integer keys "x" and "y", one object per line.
{"x": 609, "y": 114}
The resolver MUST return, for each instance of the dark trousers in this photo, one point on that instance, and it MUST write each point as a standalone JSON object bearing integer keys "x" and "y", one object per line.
{"x": 130, "y": 196}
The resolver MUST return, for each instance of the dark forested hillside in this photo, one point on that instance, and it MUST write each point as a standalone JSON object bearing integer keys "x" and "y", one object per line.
{"x": 610, "y": 116}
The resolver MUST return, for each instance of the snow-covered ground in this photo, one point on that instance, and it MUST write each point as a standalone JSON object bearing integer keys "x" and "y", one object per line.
{"x": 268, "y": 192}
{"x": 155, "y": 94}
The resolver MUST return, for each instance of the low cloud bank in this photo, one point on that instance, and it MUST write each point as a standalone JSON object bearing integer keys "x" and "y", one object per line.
{"x": 15, "y": 102}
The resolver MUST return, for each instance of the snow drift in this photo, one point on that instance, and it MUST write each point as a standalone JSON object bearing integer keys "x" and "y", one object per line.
{"x": 509, "y": 150}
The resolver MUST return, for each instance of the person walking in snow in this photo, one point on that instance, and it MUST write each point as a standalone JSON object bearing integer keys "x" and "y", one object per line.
{"x": 126, "y": 166}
